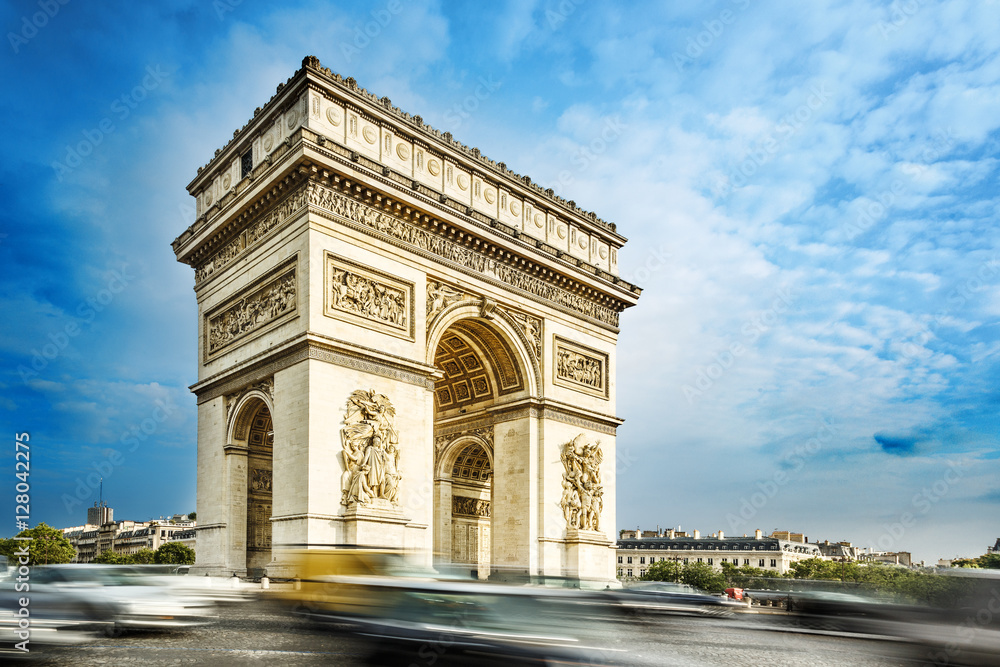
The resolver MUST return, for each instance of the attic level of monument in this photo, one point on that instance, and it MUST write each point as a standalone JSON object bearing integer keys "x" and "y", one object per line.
{"x": 332, "y": 84}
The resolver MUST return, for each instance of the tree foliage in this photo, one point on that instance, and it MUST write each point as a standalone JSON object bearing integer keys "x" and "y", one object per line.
{"x": 144, "y": 557}
{"x": 48, "y": 546}
{"x": 174, "y": 553}
{"x": 109, "y": 557}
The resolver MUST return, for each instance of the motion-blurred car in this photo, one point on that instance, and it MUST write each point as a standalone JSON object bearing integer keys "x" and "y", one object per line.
{"x": 661, "y": 597}
{"x": 129, "y": 597}
{"x": 471, "y": 622}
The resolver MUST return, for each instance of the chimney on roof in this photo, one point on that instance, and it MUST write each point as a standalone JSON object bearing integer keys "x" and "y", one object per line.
{"x": 757, "y": 534}
{"x": 722, "y": 535}
{"x": 697, "y": 534}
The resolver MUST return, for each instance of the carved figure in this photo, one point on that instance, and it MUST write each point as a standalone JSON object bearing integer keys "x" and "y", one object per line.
{"x": 371, "y": 452}
{"x": 583, "y": 495}
{"x": 439, "y": 297}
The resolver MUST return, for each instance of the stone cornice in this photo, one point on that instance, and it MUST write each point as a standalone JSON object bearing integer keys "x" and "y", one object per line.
{"x": 538, "y": 408}
{"x": 314, "y": 346}
{"x": 313, "y": 74}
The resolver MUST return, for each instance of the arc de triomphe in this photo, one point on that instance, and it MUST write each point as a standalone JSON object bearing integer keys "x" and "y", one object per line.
{"x": 401, "y": 343}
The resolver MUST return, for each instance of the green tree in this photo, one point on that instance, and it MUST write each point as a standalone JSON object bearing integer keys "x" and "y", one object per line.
{"x": 109, "y": 557}
{"x": 990, "y": 561}
{"x": 193, "y": 516}
{"x": 144, "y": 557}
{"x": 48, "y": 546}
{"x": 664, "y": 570}
{"x": 703, "y": 576}
{"x": 174, "y": 553}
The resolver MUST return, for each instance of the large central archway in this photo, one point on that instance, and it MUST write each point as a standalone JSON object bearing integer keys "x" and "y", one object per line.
{"x": 484, "y": 368}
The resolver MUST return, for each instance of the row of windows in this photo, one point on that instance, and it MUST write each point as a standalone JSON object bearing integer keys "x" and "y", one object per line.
{"x": 711, "y": 561}
{"x": 706, "y": 547}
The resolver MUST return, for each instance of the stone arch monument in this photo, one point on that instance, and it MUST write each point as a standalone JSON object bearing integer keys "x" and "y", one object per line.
{"x": 401, "y": 343}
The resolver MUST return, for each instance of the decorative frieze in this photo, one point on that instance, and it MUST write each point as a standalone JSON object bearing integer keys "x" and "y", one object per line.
{"x": 257, "y": 230}
{"x": 368, "y": 297}
{"x": 271, "y": 299}
{"x": 371, "y": 450}
{"x": 477, "y": 262}
{"x": 580, "y": 368}
{"x": 583, "y": 494}
{"x": 474, "y": 507}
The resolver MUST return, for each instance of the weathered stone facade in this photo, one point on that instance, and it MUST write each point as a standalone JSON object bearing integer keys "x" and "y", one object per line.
{"x": 352, "y": 264}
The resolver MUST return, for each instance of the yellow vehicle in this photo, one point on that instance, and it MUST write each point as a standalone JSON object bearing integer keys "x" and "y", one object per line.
{"x": 316, "y": 593}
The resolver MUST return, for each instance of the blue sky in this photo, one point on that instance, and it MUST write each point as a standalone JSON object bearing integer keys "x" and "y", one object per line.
{"x": 809, "y": 192}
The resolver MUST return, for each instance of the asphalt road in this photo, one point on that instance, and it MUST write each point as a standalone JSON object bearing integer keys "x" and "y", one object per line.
{"x": 259, "y": 633}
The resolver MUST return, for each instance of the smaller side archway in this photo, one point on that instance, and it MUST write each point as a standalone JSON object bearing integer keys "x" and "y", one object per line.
{"x": 250, "y": 465}
{"x": 463, "y": 483}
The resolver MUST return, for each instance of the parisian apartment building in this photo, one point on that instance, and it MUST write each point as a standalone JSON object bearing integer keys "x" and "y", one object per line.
{"x": 102, "y": 533}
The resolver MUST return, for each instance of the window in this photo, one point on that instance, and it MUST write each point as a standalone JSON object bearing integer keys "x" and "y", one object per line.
{"x": 619, "y": 559}
{"x": 629, "y": 560}
{"x": 246, "y": 163}
{"x": 774, "y": 562}
{"x": 685, "y": 561}
{"x": 700, "y": 560}
{"x": 652, "y": 559}
{"x": 642, "y": 573}
{"x": 642, "y": 560}
{"x": 723, "y": 560}
{"x": 746, "y": 561}
{"x": 629, "y": 573}
{"x": 760, "y": 563}
{"x": 710, "y": 561}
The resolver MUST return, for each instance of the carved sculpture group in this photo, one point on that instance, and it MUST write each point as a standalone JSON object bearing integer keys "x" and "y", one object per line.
{"x": 371, "y": 450}
{"x": 578, "y": 368}
{"x": 470, "y": 506}
{"x": 582, "y": 499}
{"x": 252, "y": 312}
{"x": 368, "y": 298}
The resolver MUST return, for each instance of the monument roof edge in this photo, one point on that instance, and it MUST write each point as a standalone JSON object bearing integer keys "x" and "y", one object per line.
{"x": 349, "y": 86}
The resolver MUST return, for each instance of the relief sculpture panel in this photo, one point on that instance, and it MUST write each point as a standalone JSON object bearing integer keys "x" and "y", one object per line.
{"x": 583, "y": 494}
{"x": 369, "y": 298}
{"x": 246, "y": 315}
{"x": 371, "y": 451}
{"x": 580, "y": 368}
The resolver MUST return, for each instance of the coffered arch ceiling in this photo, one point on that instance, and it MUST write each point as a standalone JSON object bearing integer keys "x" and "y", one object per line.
{"x": 479, "y": 366}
